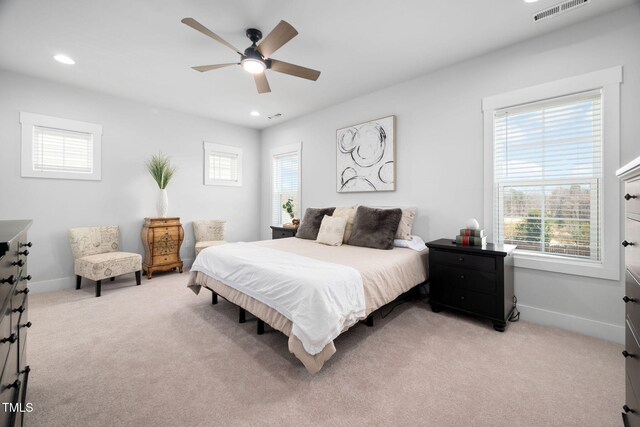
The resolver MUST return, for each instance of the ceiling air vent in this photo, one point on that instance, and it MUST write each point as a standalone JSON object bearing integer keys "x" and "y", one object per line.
{"x": 558, "y": 9}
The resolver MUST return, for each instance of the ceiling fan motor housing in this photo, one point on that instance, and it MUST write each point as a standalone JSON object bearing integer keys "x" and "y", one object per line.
{"x": 252, "y": 53}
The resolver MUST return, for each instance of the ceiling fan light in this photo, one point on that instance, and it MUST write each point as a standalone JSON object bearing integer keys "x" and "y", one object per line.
{"x": 253, "y": 66}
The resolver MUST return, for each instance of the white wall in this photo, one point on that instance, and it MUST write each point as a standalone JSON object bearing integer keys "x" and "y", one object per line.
{"x": 439, "y": 159}
{"x": 132, "y": 132}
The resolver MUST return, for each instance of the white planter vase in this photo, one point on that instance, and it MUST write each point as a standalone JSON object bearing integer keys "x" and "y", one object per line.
{"x": 162, "y": 206}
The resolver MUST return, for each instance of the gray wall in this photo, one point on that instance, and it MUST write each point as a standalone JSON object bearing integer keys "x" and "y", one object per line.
{"x": 132, "y": 132}
{"x": 439, "y": 143}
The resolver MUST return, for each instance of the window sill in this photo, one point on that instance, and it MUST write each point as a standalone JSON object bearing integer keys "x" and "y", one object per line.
{"x": 565, "y": 266}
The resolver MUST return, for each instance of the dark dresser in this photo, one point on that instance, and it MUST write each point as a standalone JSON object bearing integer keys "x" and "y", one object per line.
{"x": 630, "y": 174}
{"x": 282, "y": 232}
{"x": 472, "y": 279}
{"x": 14, "y": 251}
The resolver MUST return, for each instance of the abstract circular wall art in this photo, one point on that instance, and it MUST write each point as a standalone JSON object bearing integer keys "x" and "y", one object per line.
{"x": 366, "y": 156}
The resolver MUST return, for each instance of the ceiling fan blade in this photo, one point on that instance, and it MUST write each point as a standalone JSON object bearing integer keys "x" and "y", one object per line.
{"x": 203, "y": 68}
{"x": 261, "y": 83}
{"x": 204, "y": 30}
{"x": 294, "y": 70}
{"x": 281, "y": 34}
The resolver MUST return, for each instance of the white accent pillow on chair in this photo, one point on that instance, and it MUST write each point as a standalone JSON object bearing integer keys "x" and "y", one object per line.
{"x": 332, "y": 230}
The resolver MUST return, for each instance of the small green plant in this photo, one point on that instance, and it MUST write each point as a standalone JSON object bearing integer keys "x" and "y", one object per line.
{"x": 159, "y": 166}
{"x": 289, "y": 206}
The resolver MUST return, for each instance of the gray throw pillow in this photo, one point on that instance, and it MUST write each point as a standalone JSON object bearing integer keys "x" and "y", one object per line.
{"x": 375, "y": 228}
{"x": 310, "y": 224}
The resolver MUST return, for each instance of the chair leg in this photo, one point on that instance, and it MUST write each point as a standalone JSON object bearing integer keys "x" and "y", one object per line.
{"x": 112, "y": 278}
{"x": 78, "y": 281}
{"x": 242, "y": 316}
{"x": 98, "y": 287}
{"x": 138, "y": 277}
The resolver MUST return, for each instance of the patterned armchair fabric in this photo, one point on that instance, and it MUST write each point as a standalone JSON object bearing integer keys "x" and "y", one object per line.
{"x": 208, "y": 233}
{"x": 96, "y": 253}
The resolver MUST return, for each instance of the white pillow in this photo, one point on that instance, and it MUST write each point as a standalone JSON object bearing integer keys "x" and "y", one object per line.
{"x": 350, "y": 215}
{"x": 416, "y": 243}
{"x": 332, "y": 230}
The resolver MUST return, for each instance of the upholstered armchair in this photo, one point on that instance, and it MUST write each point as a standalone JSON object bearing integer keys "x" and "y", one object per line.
{"x": 208, "y": 233}
{"x": 97, "y": 256}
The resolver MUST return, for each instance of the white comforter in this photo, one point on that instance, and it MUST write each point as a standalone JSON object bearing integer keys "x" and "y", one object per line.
{"x": 320, "y": 298}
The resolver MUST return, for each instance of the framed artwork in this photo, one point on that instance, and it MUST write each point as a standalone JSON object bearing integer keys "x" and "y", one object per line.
{"x": 365, "y": 156}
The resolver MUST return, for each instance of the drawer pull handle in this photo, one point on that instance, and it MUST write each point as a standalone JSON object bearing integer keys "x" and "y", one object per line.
{"x": 22, "y": 245}
{"x": 25, "y": 252}
{"x": 11, "y": 338}
{"x": 627, "y": 299}
{"x": 626, "y": 354}
{"x": 461, "y": 298}
{"x": 629, "y": 196}
{"x": 26, "y": 325}
{"x": 27, "y": 278}
{"x": 462, "y": 276}
{"x": 19, "y": 263}
{"x": 626, "y": 409}
{"x": 461, "y": 259}
{"x": 10, "y": 280}
{"x": 20, "y": 309}
{"x": 625, "y": 243}
{"x": 24, "y": 291}
{"x": 15, "y": 384}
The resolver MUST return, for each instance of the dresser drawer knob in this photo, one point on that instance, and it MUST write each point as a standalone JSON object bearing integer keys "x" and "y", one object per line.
{"x": 626, "y": 409}
{"x": 10, "y": 280}
{"x": 26, "y": 325}
{"x": 627, "y": 299}
{"x": 626, "y": 354}
{"x": 25, "y": 252}
{"x": 462, "y": 276}
{"x": 461, "y": 298}
{"x": 625, "y": 243}
{"x": 27, "y": 278}
{"x": 19, "y": 263}
{"x": 629, "y": 196}
{"x": 28, "y": 245}
{"x": 15, "y": 384}
{"x": 24, "y": 291}
{"x": 461, "y": 259}
{"x": 19, "y": 309}
{"x": 11, "y": 338}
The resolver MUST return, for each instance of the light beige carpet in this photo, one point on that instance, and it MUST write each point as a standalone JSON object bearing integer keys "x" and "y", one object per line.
{"x": 158, "y": 355}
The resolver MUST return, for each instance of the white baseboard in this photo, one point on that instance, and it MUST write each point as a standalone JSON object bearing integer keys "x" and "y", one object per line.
{"x": 593, "y": 328}
{"x": 53, "y": 285}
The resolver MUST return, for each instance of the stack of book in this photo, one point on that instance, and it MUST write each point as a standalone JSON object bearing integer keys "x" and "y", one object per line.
{"x": 471, "y": 237}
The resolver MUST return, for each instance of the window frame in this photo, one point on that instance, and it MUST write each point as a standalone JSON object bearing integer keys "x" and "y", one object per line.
{"x": 29, "y": 120}
{"x": 212, "y": 148}
{"x": 280, "y": 151}
{"x": 608, "y": 81}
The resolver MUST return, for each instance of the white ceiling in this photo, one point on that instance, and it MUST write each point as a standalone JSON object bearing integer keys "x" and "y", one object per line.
{"x": 139, "y": 49}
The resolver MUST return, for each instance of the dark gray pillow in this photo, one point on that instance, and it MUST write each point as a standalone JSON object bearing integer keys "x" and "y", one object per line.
{"x": 375, "y": 228}
{"x": 310, "y": 224}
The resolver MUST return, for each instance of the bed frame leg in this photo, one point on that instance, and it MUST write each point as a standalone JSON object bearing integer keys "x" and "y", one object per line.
{"x": 242, "y": 315}
{"x": 214, "y": 298}
{"x": 369, "y": 321}
{"x": 260, "y": 327}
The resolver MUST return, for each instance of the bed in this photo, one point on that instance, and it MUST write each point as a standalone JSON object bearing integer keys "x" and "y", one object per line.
{"x": 385, "y": 275}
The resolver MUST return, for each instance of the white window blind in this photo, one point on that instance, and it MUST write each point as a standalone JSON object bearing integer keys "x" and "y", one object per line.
{"x": 223, "y": 167}
{"x": 286, "y": 185}
{"x": 548, "y": 176}
{"x": 59, "y": 150}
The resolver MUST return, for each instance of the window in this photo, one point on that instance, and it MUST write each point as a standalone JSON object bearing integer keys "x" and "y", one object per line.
{"x": 550, "y": 187}
{"x": 60, "y": 148}
{"x": 222, "y": 165}
{"x": 285, "y": 182}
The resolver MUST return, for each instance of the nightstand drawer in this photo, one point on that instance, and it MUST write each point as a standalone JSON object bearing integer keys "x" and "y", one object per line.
{"x": 632, "y": 251}
{"x": 458, "y": 259}
{"x": 631, "y": 418}
{"x": 632, "y": 188}
{"x": 473, "y": 302}
{"x": 632, "y": 305}
{"x": 478, "y": 281}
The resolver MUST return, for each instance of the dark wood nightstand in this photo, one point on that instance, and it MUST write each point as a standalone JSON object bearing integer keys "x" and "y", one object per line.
{"x": 476, "y": 280}
{"x": 282, "y": 232}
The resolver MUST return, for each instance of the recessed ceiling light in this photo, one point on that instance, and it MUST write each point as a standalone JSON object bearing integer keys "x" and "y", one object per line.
{"x": 64, "y": 59}
{"x": 530, "y": 1}
{"x": 254, "y": 113}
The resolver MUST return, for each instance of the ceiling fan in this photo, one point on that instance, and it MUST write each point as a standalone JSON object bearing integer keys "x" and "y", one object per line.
{"x": 256, "y": 59}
